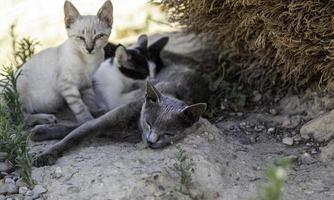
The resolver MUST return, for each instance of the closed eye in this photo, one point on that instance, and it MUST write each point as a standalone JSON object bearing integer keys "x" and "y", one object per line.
{"x": 169, "y": 134}
{"x": 148, "y": 124}
{"x": 99, "y": 36}
{"x": 81, "y": 38}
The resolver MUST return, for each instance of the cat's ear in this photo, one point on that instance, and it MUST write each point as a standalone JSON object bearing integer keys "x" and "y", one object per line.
{"x": 105, "y": 14}
{"x": 121, "y": 56}
{"x": 71, "y": 14}
{"x": 152, "y": 94}
{"x": 194, "y": 111}
{"x": 157, "y": 46}
{"x": 142, "y": 42}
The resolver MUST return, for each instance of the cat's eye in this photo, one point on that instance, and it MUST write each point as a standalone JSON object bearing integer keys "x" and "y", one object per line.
{"x": 169, "y": 134}
{"x": 99, "y": 36}
{"x": 148, "y": 124}
{"x": 81, "y": 38}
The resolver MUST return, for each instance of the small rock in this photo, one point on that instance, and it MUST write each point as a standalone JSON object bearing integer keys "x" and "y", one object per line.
{"x": 2, "y": 197}
{"x": 21, "y": 183}
{"x": 327, "y": 152}
{"x": 211, "y": 137}
{"x": 6, "y": 167}
{"x": 29, "y": 193}
{"x": 256, "y": 96}
{"x": 8, "y": 189}
{"x": 58, "y": 172}
{"x": 28, "y": 198}
{"x": 306, "y": 158}
{"x": 23, "y": 190}
{"x": 38, "y": 190}
{"x": 288, "y": 141}
{"x": 321, "y": 128}
{"x": 259, "y": 128}
{"x": 240, "y": 114}
{"x": 242, "y": 124}
{"x": 271, "y": 130}
{"x": 9, "y": 181}
{"x": 273, "y": 111}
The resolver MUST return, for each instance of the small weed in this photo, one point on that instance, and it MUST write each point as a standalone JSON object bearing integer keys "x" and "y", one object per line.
{"x": 184, "y": 168}
{"x": 13, "y": 132}
{"x": 275, "y": 176}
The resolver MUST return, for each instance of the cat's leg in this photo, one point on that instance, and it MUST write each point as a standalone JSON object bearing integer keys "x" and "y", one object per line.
{"x": 89, "y": 98}
{"x": 51, "y": 131}
{"x": 39, "y": 118}
{"x": 73, "y": 98}
{"x": 119, "y": 118}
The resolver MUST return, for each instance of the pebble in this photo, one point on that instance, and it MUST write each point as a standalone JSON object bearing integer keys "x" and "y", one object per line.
{"x": 273, "y": 111}
{"x": 240, "y": 114}
{"x": 259, "y": 128}
{"x": 9, "y": 181}
{"x": 6, "y": 167}
{"x": 29, "y": 193}
{"x": 306, "y": 158}
{"x": 20, "y": 183}
{"x": 211, "y": 137}
{"x": 38, "y": 189}
{"x": 23, "y": 190}
{"x": 8, "y": 189}
{"x": 271, "y": 130}
{"x": 288, "y": 141}
{"x": 256, "y": 96}
{"x": 58, "y": 172}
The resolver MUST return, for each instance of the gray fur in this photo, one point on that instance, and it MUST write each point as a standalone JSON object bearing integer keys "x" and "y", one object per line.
{"x": 158, "y": 114}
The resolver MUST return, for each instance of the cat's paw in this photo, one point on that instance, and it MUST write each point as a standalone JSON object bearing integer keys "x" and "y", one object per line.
{"x": 39, "y": 132}
{"x": 44, "y": 159}
{"x": 47, "y": 119}
{"x": 85, "y": 117}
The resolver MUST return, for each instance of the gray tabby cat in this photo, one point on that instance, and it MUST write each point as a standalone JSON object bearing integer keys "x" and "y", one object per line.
{"x": 158, "y": 113}
{"x": 63, "y": 74}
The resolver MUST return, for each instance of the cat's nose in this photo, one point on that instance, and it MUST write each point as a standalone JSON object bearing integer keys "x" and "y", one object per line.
{"x": 89, "y": 49}
{"x": 152, "y": 138}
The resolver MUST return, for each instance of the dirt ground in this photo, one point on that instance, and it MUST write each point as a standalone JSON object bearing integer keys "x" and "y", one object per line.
{"x": 230, "y": 155}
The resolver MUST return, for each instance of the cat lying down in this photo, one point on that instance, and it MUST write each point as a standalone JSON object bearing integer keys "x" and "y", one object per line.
{"x": 156, "y": 112}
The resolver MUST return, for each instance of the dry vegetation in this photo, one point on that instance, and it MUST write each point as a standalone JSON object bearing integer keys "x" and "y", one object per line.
{"x": 272, "y": 41}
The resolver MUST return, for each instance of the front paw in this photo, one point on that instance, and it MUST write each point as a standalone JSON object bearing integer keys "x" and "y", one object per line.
{"x": 44, "y": 159}
{"x": 40, "y": 132}
{"x": 85, "y": 117}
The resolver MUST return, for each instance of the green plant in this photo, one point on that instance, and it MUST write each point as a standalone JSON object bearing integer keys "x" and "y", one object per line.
{"x": 276, "y": 177}
{"x": 184, "y": 168}
{"x": 10, "y": 94}
{"x": 13, "y": 134}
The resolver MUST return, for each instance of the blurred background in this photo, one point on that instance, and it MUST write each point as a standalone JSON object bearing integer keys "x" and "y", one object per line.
{"x": 42, "y": 20}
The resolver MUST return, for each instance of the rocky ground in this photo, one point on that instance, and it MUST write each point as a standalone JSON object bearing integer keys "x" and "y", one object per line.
{"x": 230, "y": 155}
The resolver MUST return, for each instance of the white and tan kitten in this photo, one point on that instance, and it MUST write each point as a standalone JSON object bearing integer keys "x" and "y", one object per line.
{"x": 63, "y": 74}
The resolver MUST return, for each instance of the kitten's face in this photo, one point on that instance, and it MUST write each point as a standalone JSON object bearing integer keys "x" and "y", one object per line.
{"x": 89, "y": 33}
{"x": 131, "y": 63}
{"x": 164, "y": 119}
{"x": 139, "y": 59}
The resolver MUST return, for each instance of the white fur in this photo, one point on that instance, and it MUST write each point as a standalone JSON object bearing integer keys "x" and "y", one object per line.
{"x": 109, "y": 85}
{"x": 64, "y": 73}
{"x": 39, "y": 81}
